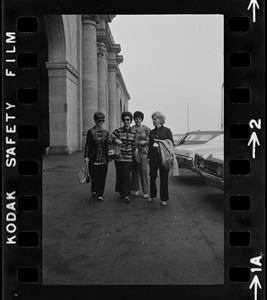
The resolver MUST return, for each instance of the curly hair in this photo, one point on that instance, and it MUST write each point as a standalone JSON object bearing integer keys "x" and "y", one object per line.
{"x": 126, "y": 114}
{"x": 99, "y": 115}
{"x": 159, "y": 115}
{"x": 138, "y": 114}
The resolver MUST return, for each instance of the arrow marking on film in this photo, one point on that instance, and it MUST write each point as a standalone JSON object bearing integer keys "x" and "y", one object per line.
{"x": 256, "y": 283}
{"x": 253, "y": 3}
{"x": 254, "y": 140}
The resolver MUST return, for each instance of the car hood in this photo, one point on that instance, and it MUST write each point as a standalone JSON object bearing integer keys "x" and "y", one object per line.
{"x": 217, "y": 157}
{"x": 189, "y": 150}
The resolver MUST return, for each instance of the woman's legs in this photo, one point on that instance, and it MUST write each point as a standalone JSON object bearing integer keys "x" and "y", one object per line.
{"x": 123, "y": 177}
{"x": 119, "y": 177}
{"x": 135, "y": 186}
{"x": 153, "y": 176}
{"x": 164, "y": 187}
{"x": 126, "y": 182}
{"x": 143, "y": 171}
{"x": 99, "y": 175}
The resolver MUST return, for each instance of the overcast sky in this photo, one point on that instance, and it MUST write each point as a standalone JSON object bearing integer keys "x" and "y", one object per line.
{"x": 172, "y": 63}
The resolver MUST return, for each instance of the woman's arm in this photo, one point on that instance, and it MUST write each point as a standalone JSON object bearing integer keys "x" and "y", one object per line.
{"x": 87, "y": 145}
{"x": 169, "y": 136}
{"x": 150, "y": 145}
{"x": 116, "y": 136}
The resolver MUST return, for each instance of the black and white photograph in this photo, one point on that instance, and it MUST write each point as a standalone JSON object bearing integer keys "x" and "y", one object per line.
{"x": 133, "y": 149}
{"x": 152, "y": 86}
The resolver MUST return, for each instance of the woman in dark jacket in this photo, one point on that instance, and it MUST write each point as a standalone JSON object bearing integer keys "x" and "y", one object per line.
{"x": 162, "y": 133}
{"x": 96, "y": 153}
{"x": 125, "y": 136}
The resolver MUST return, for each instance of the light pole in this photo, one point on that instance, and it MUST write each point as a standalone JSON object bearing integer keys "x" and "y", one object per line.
{"x": 187, "y": 117}
{"x": 222, "y": 108}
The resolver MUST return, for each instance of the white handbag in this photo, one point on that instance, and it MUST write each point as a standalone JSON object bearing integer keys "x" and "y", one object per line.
{"x": 83, "y": 175}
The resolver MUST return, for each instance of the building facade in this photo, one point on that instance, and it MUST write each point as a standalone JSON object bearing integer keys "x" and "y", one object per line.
{"x": 83, "y": 76}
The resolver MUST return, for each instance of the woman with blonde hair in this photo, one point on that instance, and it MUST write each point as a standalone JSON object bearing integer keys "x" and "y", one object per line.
{"x": 160, "y": 132}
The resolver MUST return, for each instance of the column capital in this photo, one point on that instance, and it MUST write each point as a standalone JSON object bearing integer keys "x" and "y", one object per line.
{"x": 101, "y": 49}
{"x": 90, "y": 19}
{"x": 112, "y": 66}
{"x": 101, "y": 52}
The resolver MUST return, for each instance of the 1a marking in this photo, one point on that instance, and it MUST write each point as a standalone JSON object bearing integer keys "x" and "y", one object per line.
{"x": 254, "y": 138}
{"x": 253, "y": 3}
{"x": 255, "y": 283}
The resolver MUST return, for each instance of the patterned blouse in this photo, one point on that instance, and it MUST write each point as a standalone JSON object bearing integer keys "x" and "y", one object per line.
{"x": 128, "y": 139}
{"x": 141, "y": 134}
{"x": 96, "y": 147}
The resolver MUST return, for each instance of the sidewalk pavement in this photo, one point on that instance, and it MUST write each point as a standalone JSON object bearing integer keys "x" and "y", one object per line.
{"x": 86, "y": 241}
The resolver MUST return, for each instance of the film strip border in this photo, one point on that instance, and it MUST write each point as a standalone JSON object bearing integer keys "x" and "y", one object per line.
{"x": 244, "y": 144}
{"x": 244, "y": 171}
{"x": 22, "y": 153}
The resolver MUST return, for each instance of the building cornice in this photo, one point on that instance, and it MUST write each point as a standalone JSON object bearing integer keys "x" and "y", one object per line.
{"x": 104, "y": 36}
{"x": 121, "y": 82}
{"x": 107, "y": 18}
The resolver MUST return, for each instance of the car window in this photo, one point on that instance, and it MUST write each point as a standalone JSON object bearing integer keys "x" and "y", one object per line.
{"x": 198, "y": 137}
{"x": 205, "y": 137}
{"x": 217, "y": 139}
{"x": 191, "y": 137}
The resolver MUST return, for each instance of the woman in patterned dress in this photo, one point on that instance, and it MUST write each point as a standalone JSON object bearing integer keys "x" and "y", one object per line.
{"x": 96, "y": 153}
{"x": 125, "y": 137}
{"x": 140, "y": 165}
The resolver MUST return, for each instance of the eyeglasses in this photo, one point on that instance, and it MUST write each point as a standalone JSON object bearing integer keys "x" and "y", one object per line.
{"x": 126, "y": 120}
{"x": 100, "y": 121}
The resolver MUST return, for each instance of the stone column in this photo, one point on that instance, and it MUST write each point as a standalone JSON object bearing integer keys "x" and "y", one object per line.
{"x": 112, "y": 97}
{"x": 89, "y": 81}
{"x": 119, "y": 60}
{"x": 118, "y": 103}
{"x": 102, "y": 68}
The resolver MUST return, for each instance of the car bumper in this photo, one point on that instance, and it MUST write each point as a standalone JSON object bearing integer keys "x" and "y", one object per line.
{"x": 185, "y": 162}
{"x": 212, "y": 180}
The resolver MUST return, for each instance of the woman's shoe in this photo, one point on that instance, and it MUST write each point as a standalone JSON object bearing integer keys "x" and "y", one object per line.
{"x": 93, "y": 194}
{"x": 100, "y": 198}
{"x": 127, "y": 200}
{"x": 145, "y": 196}
{"x": 135, "y": 193}
{"x": 164, "y": 203}
{"x": 150, "y": 199}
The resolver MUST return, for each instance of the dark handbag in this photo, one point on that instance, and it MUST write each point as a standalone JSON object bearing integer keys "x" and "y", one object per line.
{"x": 114, "y": 150}
{"x": 83, "y": 175}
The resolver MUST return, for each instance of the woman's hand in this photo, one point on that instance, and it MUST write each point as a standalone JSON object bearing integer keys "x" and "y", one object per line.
{"x": 136, "y": 155}
{"x": 119, "y": 142}
{"x": 142, "y": 143}
{"x": 86, "y": 159}
{"x": 155, "y": 145}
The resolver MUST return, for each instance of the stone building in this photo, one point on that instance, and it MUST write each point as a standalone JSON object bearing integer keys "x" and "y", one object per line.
{"x": 81, "y": 75}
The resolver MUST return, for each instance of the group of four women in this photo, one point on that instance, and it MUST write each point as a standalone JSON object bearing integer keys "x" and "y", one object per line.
{"x": 139, "y": 147}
